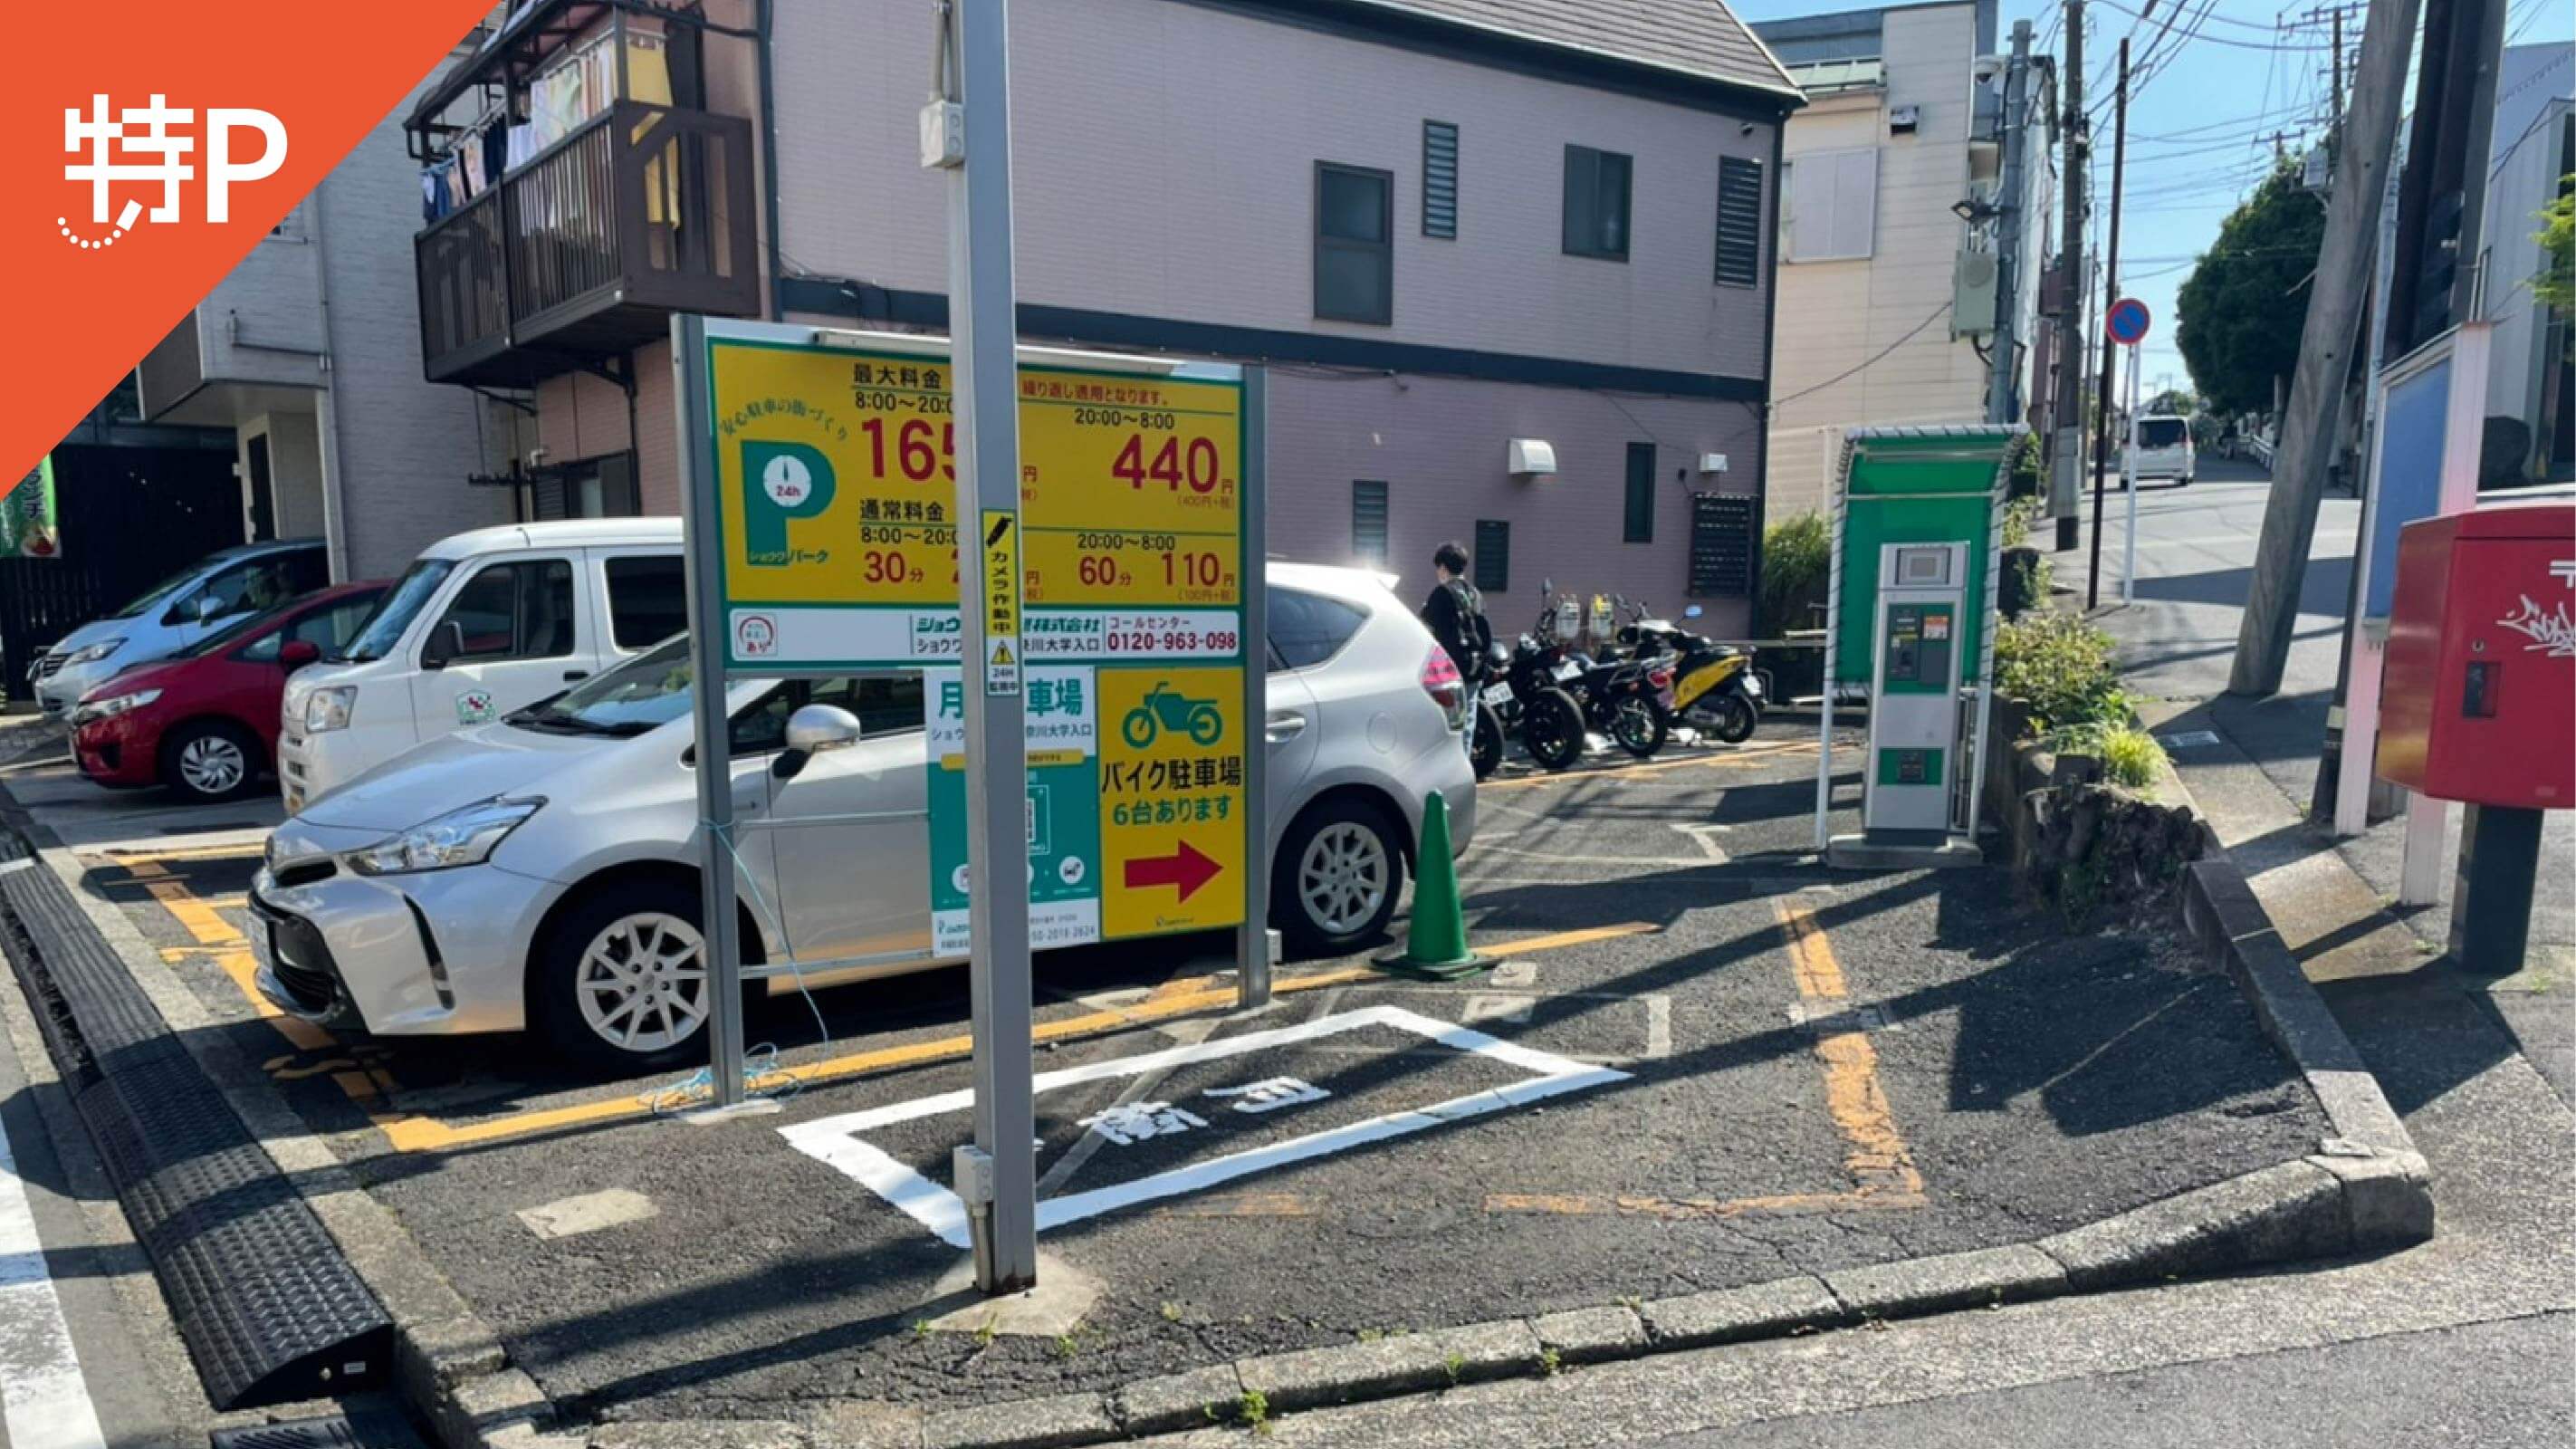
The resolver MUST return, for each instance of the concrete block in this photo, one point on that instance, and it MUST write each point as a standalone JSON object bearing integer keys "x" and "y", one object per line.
{"x": 2387, "y": 1198}
{"x": 1591, "y": 1335}
{"x": 1411, "y": 1362}
{"x": 1025, "y": 1424}
{"x": 1759, "y": 1310}
{"x": 1952, "y": 1280}
{"x": 1175, "y": 1402}
{"x": 2292, "y": 1210}
{"x": 472, "y": 1411}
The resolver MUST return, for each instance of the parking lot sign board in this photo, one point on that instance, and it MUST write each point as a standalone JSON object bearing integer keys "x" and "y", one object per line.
{"x": 833, "y": 487}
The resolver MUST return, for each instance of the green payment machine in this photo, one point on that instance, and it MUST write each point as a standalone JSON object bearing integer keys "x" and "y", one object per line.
{"x": 1918, "y": 538}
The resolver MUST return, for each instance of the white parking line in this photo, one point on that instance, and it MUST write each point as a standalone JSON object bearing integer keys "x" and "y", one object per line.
{"x": 44, "y": 1401}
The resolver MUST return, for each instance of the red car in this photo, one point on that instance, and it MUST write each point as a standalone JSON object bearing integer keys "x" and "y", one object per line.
{"x": 204, "y": 721}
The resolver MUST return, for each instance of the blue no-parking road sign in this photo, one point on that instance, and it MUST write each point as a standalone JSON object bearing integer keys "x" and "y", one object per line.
{"x": 2127, "y": 322}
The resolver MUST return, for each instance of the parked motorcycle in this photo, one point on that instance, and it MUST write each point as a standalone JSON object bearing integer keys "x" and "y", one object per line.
{"x": 1518, "y": 693}
{"x": 1622, "y": 698}
{"x": 1714, "y": 687}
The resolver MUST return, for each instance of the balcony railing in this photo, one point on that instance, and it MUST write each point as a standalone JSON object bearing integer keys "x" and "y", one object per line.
{"x": 588, "y": 248}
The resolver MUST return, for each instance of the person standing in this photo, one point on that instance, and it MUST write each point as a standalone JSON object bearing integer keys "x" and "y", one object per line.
{"x": 1455, "y": 612}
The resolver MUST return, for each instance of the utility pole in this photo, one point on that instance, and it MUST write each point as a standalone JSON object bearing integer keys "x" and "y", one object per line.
{"x": 2003, "y": 378}
{"x": 2325, "y": 352}
{"x": 2110, "y": 294}
{"x": 2066, "y": 450}
{"x": 2336, "y": 15}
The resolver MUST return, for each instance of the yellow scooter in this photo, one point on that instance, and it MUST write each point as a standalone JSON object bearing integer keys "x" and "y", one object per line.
{"x": 1714, "y": 686}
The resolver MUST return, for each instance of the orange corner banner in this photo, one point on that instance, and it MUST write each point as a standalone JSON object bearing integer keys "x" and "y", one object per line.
{"x": 158, "y": 142}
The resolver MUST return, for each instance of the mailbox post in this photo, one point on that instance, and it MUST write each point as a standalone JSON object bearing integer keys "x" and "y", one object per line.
{"x": 2481, "y": 665}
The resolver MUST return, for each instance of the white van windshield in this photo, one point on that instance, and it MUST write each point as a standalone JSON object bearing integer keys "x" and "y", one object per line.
{"x": 644, "y": 693}
{"x": 2162, "y": 432}
{"x": 402, "y": 603}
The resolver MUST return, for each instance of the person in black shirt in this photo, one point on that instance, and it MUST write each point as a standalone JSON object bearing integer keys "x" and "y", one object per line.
{"x": 1455, "y": 612}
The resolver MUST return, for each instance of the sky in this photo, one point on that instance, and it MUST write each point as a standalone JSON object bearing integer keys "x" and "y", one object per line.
{"x": 2220, "y": 82}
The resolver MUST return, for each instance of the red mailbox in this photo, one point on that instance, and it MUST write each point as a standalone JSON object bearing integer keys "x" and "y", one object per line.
{"x": 2478, "y": 701}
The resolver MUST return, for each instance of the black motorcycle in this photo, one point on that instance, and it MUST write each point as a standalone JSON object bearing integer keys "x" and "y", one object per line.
{"x": 1622, "y": 698}
{"x": 1517, "y": 693}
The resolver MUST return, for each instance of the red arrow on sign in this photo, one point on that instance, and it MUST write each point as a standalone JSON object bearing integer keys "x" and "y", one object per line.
{"x": 1186, "y": 868}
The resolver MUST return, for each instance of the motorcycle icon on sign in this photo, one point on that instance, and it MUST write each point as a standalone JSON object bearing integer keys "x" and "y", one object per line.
{"x": 1165, "y": 709}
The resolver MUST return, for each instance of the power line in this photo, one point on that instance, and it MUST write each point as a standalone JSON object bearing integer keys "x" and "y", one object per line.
{"x": 1873, "y": 361}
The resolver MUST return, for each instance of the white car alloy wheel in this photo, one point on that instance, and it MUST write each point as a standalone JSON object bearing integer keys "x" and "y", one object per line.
{"x": 642, "y": 982}
{"x": 1343, "y": 877}
{"x": 212, "y": 764}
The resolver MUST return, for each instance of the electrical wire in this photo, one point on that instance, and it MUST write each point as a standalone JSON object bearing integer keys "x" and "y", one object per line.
{"x": 1875, "y": 359}
{"x": 762, "y": 1077}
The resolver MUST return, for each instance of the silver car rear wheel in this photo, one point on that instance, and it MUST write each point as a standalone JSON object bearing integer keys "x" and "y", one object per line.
{"x": 1343, "y": 877}
{"x": 641, "y": 982}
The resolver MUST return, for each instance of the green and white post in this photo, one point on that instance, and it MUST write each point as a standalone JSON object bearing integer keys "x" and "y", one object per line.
{"x": 1917, "y": 549}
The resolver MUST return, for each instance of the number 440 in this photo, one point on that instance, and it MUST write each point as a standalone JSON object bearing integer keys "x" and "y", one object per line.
{"x": 1171, "y": 465}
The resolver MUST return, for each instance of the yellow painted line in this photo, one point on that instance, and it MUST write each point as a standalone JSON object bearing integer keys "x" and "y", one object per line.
{"x": 1244, "y": 1205}
{"x": 238, "y": 965}
{"x": 1562, "y": 939}
{"x": 201, "y": 919}
{"x": 1175, "y": 998}
{"x": 1656, "y": 767}
{"x": 1876, "y": 1154}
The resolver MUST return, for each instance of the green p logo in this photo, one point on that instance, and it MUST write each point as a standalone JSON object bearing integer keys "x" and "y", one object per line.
{"x": 780, "y": 481}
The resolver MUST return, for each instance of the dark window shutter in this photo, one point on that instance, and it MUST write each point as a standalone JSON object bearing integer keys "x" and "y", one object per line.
{"x": 1368, "y": 520}
{"x": 1739, "y": 221}
{"x": 1582, "y": 184}
{"x": 1493, "y": 565}
{"x": 1440, "y": 178}
{"x": 1721, "y": 558}
{"x": 1641, "y": 493}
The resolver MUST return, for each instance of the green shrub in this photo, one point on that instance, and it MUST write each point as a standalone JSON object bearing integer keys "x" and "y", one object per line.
{"x": 2059, "y": 667}
{"x": 2023, "y": 479}
{"x": 1797, "y": 556}
{"x": 2130, "y": 756}
{"x": 2018, "y": 516}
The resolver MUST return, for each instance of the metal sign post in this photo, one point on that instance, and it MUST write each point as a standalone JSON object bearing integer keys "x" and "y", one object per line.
{"x": 2129, "y": 480}
{"x": 997, "y": 1178}
{"x": 723, "y": 926}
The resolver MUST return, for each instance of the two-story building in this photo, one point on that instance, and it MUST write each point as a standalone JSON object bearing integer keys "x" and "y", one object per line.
{"x": 309, "y": 352}
{"x": 1444, "y": 226}
{"x": 1889, "y": 236}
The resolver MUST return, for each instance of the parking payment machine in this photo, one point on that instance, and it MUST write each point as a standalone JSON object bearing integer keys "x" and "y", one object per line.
{"x": 1913, "y": 719}
{"x": 1917, "y": 545}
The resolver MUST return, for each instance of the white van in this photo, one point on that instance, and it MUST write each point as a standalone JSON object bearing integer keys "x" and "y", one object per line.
{"x": 216, "y": 592}
{"x": 480, "y": 624}
{"x": 2165, "y": 448}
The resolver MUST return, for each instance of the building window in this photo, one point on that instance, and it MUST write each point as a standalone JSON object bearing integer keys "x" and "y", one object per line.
{"x": 1493, "y": 563}
{"x": 1641, "y": 493}
{"x": 1368, "y": 521}
{"x": 1829, "y": 206}
{"x": 1440, "y": 178}
{"x": 1596, "y": 203}
{"x": 1354, "y": 250}
{"x": 1739, "y": 222}
{"x": 602, "y": 487}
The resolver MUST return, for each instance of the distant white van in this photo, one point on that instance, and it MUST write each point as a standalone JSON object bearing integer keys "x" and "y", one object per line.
{"x": 481, "y": 624}
{"x": 2165, "y": 448}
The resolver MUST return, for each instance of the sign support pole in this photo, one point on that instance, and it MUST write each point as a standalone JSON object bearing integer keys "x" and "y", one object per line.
{"x": 721, "y": 927}
{"x": 2129, "y": 485}
{"x": 1253, "y": 937}
{"x": 997, "y": 1178}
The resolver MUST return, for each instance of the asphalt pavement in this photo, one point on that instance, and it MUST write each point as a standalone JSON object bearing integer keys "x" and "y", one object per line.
{"x": 1703, "y": 1061}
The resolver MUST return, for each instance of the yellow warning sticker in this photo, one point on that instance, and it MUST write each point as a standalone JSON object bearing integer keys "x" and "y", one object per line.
{"x": 1001, "y": 601}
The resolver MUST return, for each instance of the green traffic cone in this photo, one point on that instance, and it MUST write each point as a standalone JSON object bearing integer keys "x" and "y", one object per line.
{"x": 1435, "y": 940}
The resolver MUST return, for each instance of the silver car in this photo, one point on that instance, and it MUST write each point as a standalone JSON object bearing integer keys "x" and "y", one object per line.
{"x": 538, "y": 871}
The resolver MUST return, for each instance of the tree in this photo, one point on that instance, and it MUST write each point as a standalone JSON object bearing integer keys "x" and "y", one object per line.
{"x": 2240, "y": 312}
{"x": 2556, "y": 284}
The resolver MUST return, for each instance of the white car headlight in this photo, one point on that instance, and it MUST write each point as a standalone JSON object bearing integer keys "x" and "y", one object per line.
{"x": 459, "y": 837}
{"x": 328, "y": 709}
{"x": 92, "y": 653}
{"x": 95, "y": 709}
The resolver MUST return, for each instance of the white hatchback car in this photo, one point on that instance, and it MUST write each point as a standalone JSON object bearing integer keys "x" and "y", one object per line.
{"x": 538, "y": 871}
